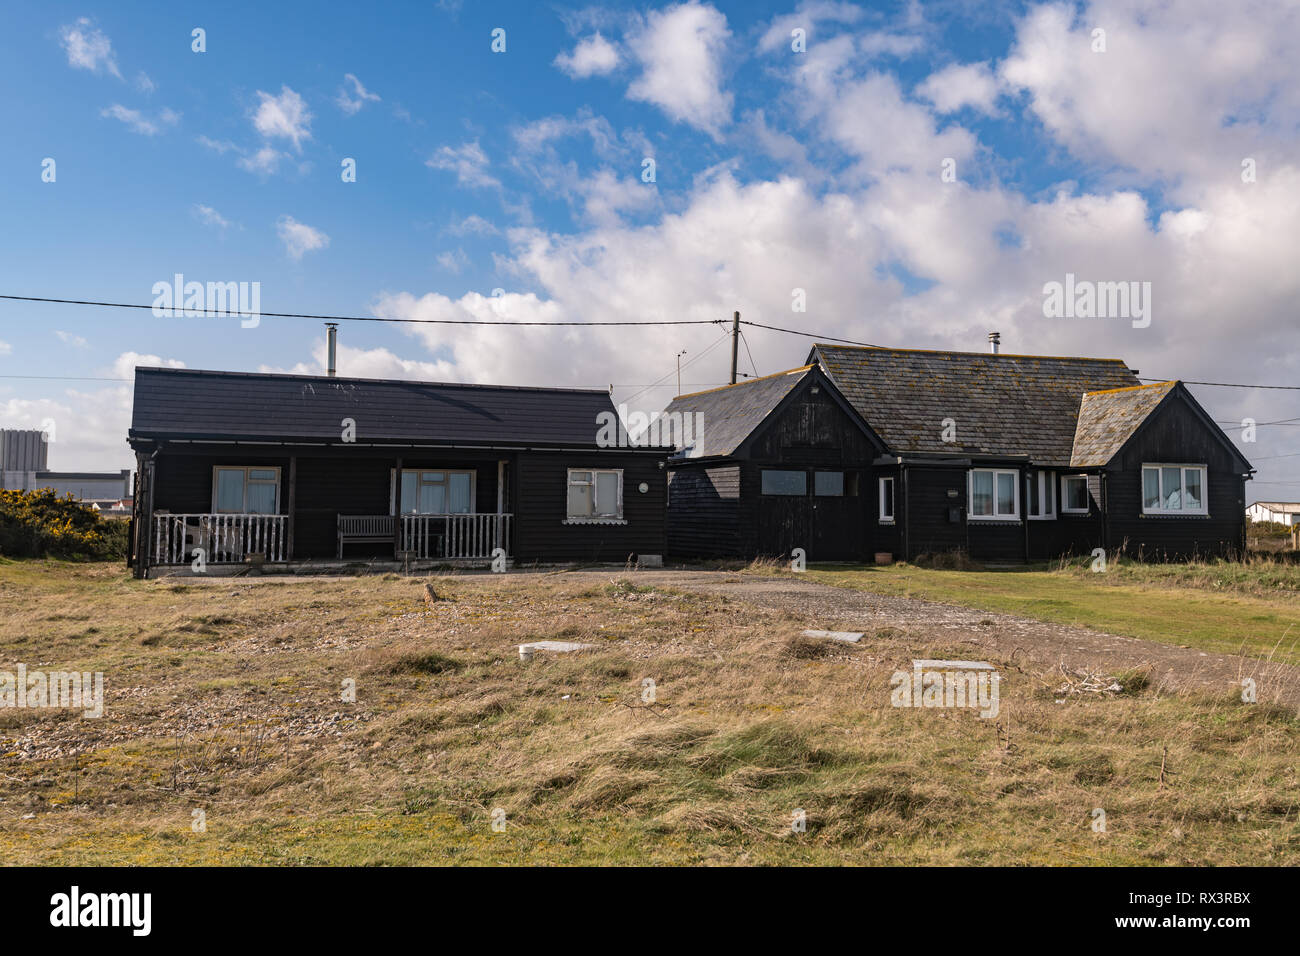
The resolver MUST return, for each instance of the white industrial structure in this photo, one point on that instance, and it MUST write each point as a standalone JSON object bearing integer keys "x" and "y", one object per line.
{"x": 1283, "y": 512}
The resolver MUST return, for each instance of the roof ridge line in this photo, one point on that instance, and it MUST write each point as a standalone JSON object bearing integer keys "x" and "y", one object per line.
{"x": 718, "y": 388}
{"x": 302, "y": 376}
{"x": 878, "y": 348}
{"x": 1133, "y": 388}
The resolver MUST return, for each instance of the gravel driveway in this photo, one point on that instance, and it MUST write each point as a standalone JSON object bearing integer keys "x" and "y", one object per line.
{"x": 1002, "y": 636}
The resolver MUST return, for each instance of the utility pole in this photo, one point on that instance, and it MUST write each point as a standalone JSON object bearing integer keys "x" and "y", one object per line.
{"x": 735, "y": 344}
{"x": 679, "y": 370}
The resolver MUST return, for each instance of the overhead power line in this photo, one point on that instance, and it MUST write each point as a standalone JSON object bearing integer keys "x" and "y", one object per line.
{"x": 364, "y": 318}
{"x": 571, "y": 322}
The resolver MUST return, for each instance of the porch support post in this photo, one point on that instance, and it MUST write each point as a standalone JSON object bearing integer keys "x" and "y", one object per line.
{"x": 148, "y": 471}
{"x": 141, "y": 529}
{"x": 293, "y": 502}
{"x": 397, "y": 509}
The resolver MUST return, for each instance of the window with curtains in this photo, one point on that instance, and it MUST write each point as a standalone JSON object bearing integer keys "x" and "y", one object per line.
{"x": 254, "y": 489}
{"x": 1173, "y": 489}
{"x": 994, "y": 494}
{"x": 428, "y": 492}
{"x": 595, "y": 494}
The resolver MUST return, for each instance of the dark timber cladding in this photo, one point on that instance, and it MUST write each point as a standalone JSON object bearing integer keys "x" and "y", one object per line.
{"x": 780, "y": 463}
{"x": 910, "y": 452}
{"x": 315, "y": 466}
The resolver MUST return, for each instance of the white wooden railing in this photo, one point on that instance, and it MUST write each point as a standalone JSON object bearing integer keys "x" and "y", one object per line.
{"x": 224, "y": 538}
{"x": 456, "y": 536}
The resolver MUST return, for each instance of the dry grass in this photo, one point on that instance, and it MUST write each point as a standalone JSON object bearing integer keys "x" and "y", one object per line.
{"x": 224, "y": 696}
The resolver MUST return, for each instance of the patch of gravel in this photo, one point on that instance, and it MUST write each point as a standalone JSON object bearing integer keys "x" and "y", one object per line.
{"x": 1003, "y": 637}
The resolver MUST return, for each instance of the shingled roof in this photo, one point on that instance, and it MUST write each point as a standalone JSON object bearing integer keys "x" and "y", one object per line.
{"x": 196, "y": 404}
{"x": 731, "y": 412}
{"x": 1003, "y": 405}
{"x": 1108, "y": 419}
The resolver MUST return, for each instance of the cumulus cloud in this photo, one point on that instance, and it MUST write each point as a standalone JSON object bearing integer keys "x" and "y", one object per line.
{"x": 90, "y": 424}
{"x": 283, "y": 117}
{"x": 961, "y": 85}
{"x": 352, "y": 102}
{"x": 88, "y": 48}
{"x": 593, "y": 56}
{"x": 680, "y": 53}
{"x": 807, "y": 17}
{"x": 369, "y": 363}
{"x": 299, "y": 238}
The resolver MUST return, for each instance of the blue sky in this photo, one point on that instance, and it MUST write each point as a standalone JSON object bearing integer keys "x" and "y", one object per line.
{"x": 521, "y": 171}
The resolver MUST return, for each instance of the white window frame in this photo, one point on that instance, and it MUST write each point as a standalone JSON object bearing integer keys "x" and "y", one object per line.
{"x": 880, "y": 501}
{"x": 1045, "y": 481}
{"x": 1064, "y": 497}
{"x": 395, "y": 488}
{"x": 1184, "y": 468}
{"x": 216, "y": 469}
{"x": 593, "y": 518}
{"x": 995, "y": 472}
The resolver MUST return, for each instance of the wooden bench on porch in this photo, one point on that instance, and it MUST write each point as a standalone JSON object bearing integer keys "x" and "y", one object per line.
{"x": 365, "y": 529}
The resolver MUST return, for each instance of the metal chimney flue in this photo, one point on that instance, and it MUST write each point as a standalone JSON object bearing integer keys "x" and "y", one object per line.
{"x": 331, "y": 346}
{"x": 995, "y": 339}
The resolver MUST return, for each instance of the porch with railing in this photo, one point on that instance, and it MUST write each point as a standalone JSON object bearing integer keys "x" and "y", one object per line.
{"x": 223, "y": 538}
{"x": 454, "y": 537}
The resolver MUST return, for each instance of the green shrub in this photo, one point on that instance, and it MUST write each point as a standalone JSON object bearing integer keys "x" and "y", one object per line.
{"x": 37, "y": 524}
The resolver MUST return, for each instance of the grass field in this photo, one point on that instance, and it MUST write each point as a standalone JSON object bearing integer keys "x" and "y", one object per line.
{"x": 1224, "y": 607}
{"x": 223, "y": 696}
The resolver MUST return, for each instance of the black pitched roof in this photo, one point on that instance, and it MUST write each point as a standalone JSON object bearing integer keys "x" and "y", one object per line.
{"x": 197, "y": 404}
{"x": 731, "y": 412}
{"x": 1003, "y": 405}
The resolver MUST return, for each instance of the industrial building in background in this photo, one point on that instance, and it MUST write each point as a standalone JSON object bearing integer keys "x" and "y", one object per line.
{"x": 24, "y": 466}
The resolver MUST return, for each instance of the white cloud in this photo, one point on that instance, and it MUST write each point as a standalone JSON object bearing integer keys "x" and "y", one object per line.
{"x": 453, "y": 260}
{"x": 370, "y": 363}
{"x": 6, "y": 348}
{"x": 219, "y": 146}
{"x": 467, "y": 161}
{"x": 210, "y": 217}
{"x": 806, "y": 18}
{"x": 285, "y": 117}
{"x": 680, "y": 51}
{"x": 593, "y": 56}
{"x": 138, "y": 122}
{"x": 960, "y": 85}
{"x": 88, "y": 48}
{"x": 264, "y": 162}
{"x": 125, "y": 364}
{"x": 68, "y": 338}
{"x": 90, "y": 425}
{"x": 1182, "y": 93}
{"x": 144, "y": 83}
{"x": 474, "y": 225}
{"x": 351, "y": 103}
{"x": 299, "y": 238}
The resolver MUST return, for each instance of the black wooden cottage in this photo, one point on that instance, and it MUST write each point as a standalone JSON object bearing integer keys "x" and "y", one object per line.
{"x": 293, "y": 468}
{"x": 1003, "y": 457}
